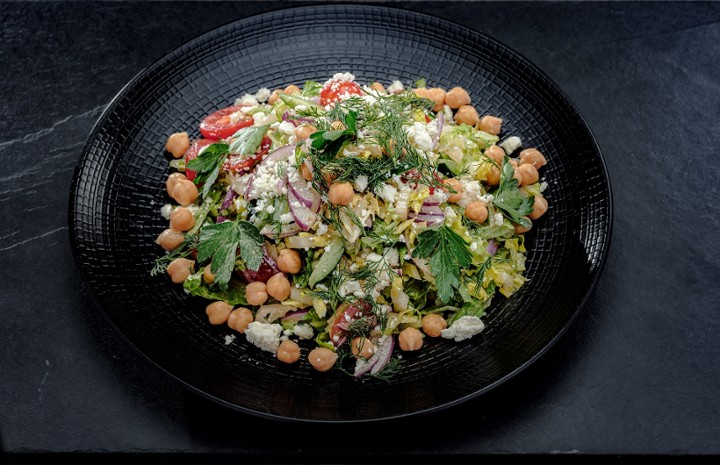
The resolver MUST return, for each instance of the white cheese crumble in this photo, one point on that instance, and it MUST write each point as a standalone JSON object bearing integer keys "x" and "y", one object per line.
{"x": 247, "y": 100}
{"x": 395, "y": 86}
{"x": 260, "y": 119}
{"x": 418, "y": 135}
{"x": 496, "y": 219}
{"x": 265, "y": 336}
{"x": 322, "y": 229}
{"x": 229, "y": 339}
{"x": 463, "y": 328}
{"x": 510, "y": 144}
{"x": 303, "y": 331}
{"x": 342, "y": 77}
{"x": 286, "y": 128}
{"x": 166, "y": 210}
{"x": 263, "y": 94}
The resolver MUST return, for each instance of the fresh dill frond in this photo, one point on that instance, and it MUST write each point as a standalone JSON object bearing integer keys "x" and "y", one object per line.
{"x": 182, "y": 251}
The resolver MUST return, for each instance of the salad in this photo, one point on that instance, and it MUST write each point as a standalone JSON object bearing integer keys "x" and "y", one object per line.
{"x": 352, "y": 220}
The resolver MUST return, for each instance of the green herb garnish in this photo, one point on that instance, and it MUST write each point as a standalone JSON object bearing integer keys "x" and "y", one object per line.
{"x": 448, "y": 253}
{"x": 508, "y": 198}
{"x": 221, "y": 242}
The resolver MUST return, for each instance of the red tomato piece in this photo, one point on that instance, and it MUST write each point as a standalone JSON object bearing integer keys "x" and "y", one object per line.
{"x": 347, "y": 313}
{"x": 334, "y": 89}
{"x": 193, "y": 152}
{"x": 241, "y": 162}
{"x": 220, "y": 125}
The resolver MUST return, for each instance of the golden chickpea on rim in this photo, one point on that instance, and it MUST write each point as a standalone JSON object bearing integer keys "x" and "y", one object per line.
{"x": 340, "y": 193}
{"x": 180, "y": 269}
{"x": 490, "y": 124}
{"x": 218, "y": 312}
{"x": 288, "y": 352}
{"x": 289, "y": 261}
{"x": 378, "y": 87}
{"x": 493, "y": 176}
{"x": 172, "y": 180}
{"x": 410, "y": 339}
{"x": 467, "y": 114}
{"x": 278, "y": 287}
{"x": 362, "y": 347}
{"x": 305, "y": 172}
{"x": 177, "y": 144}
{"x": 169, "y": 239}
{"x": 181, "y": 219}
{"x": 256, "y": 293}
{"x": 322, "y": 358}
{"x": 520, "y": 229}
{"x": 528, "y": 173}
{"x": 495, "y": 153}
{"x": 534, "y": 157}
{"x": 240, "y": 319}
{"x": 540, "y": 206}
{"x": 456, "y": 186}
{"x": 433, "y": 324}
{"x": 457, "y": 97}
{"x": 274, "y": 96}
{"x": 477, "y": 211}
{"x": 435, "y": 95}
{"x": 292, "y": 89}
{"x": 185, "y": 192}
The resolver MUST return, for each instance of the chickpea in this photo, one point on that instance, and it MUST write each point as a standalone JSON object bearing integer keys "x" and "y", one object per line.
{"x": 289, "y": 261}
{"x": 520, "y": 229}
{"x": 172, "y": 180}
{"x": 477, "y": 211}
{"x": 528, "y": 173}
{"x": 256, "y": 293}
{"x": 490, "y": 124}
{"x": 534, "y": 157}
{"x": 303, "y": 132}
{"x": 493, "y": 176}
{"x": 514, "y": 162}
{"x": 288, "y": 352}
{"x": 410, "y": 339}
{"x": 517, "y": 174}
{"x": 274, "y": 97}
{"x": 208, "y": 275}
{"x": 278, "y": 287}
{"x": 322, "y": 358}
{"x": 180, "y": 269}
{"x": 540, "y": 206}
{"x": 305, "y": 172}
{"x": 457, "y": 97}
{"x": 378, "y": 87}
{"x": 240, "y": 319}
{"x": 435, "y": 95}
{"x": 292, "y": 89}
{"x": 467, "y": 115}
{"x": 340, "y": 193}
{"x": 337, "y": 125}
{"x": 185, "y": 192}
{"x": 362, "y": 347}
{"x": 433, "y": 324}
{"x": 177, "y": 144}
{"x": 169, "y": 239}
{"x": 456, "y": 186}
{"x": 218, "y": 312}
{"x": 181, "y": 219}
{"x": 495, "y": 153}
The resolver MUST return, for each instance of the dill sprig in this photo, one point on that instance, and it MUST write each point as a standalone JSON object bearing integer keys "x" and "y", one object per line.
{"x": 182, "y": 251}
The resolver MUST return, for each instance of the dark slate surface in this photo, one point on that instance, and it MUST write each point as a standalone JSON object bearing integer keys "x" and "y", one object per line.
{"x": 638, "y": 374}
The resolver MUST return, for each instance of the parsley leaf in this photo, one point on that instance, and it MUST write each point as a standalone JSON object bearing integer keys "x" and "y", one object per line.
{"x": 220, "y": 242}
{"x": 247, "y": 140}
{"x": 448, "y": 254}
{"x": 509, "y": 199}
{"x": 331, "y": 141}
{"x": 208, "y": 164}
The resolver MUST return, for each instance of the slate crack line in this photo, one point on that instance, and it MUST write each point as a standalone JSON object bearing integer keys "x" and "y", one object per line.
{"x": 32, "y": 239}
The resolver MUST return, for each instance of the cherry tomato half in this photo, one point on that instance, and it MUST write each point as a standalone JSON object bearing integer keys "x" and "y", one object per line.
{"x": 345, "y": 314}
{"x": 193, "y": 152}
{"x": 220, "y": 125}
{"x": 334, "y": 89}
{"x": 241, "y": 162}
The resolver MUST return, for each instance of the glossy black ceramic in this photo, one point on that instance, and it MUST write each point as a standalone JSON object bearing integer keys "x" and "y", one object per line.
{"x": 118, "y": 190}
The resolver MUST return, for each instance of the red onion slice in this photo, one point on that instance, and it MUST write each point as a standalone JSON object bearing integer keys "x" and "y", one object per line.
{"x": 383, "y": 352}
{"x": 229, "y": 197}
{"x": 307, "y": 195}
{"x": 492, "y": 247}
{"x": 295, "y": 316}
{"x": 304, "y": 217}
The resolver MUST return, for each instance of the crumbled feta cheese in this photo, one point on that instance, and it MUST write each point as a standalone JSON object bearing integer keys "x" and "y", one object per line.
{"x": 392, "y": 257}
{"x": 510, "y": 144}
{"x": 395, "y": 86}
{"x": 322, "y": 229}
{"x": 471, "y": 192}
{"x": 473, "y": 247}
{"x": 303, "y": 331}
{"x": 418, "y": 136}
{"x": 270, "y": 209}
{"x": 388, "y": 193}
{"x": 543, "y": 186}
{"x": 463, "y": 328}
{"x": 448, "y": 116}
{"x": 229, "y": 339}
{"x": 265, "y": 336}
{"x": 263, "y": 94}
{"x": 166, "y": 210}
{"x": 361, "y": 183}
{"x": 247, "y": 100}
{"x": 260, "y": 119}
{"x": 343, "y": 77}
{"x": 349, "y": 287}
{"x": 497, "y": 219}
{"x": 286, "y": 218}
{"x": 286, "y": 128}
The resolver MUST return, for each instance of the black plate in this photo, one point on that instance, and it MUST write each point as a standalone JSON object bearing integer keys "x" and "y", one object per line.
{"x": 118, "y": 189}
